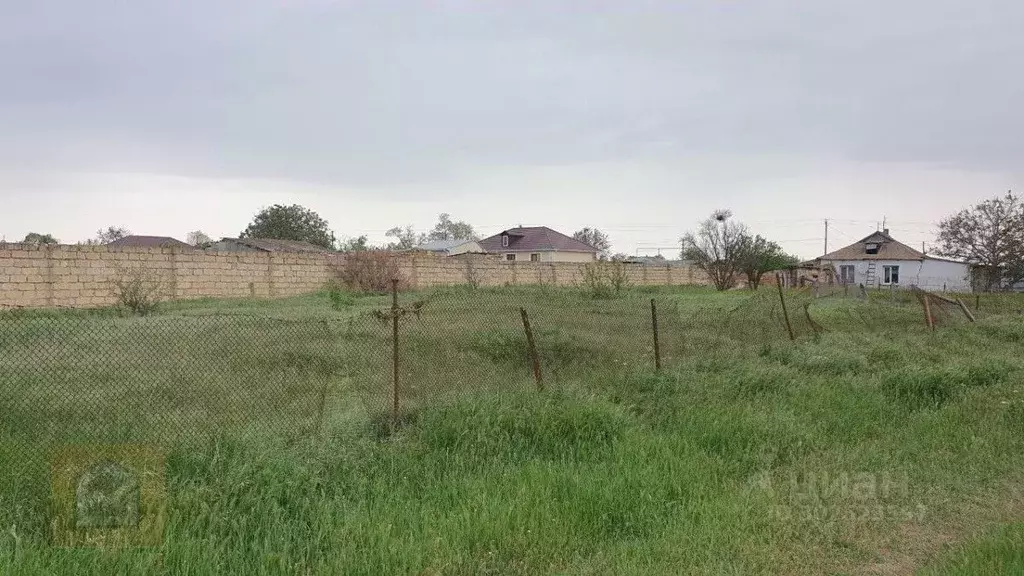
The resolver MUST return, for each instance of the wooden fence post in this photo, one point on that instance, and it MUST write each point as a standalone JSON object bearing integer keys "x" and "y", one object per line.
{"x": 532, "y": 348}
{"x": 785, "y": 313}
{"x": 923, "y": 297}
{"x": 657, "y": 347}
{"x": 965, "y": 309}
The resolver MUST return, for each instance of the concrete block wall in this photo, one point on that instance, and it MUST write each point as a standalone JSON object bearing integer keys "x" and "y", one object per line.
{"x": 424, "y": 271}
{"x": 84, "y": 276}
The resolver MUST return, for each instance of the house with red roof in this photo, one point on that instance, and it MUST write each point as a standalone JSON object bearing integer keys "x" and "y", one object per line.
{"x": 537, "y": 244}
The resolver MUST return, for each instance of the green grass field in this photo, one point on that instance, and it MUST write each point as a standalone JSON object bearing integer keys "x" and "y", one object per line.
{"x": 874, "y": 446}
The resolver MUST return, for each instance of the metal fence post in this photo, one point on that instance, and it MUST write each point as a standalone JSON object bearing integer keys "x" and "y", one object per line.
{"x": 654, "y": 326}
{"x": 394, "y": 353}
{"x": 532, "y": 347}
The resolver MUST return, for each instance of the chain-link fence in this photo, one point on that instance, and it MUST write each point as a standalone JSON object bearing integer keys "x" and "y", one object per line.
{"x": 74, "y": 378}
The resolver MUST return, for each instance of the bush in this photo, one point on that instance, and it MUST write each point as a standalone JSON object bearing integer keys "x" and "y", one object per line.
{"x": 601, "y": 281}
{"x": 371, "y": 271}
{"x": 137, "y": 292}
{"x": 594, "y": 282}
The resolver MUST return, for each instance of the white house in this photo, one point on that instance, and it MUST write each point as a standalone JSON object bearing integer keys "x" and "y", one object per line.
{"x": 881, "y": 261}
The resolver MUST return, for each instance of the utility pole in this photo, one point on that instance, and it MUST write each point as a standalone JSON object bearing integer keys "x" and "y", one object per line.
{"x": 821, "y": 261}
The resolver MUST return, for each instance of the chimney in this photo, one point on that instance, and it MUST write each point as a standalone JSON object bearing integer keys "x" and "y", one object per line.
{"x": 885, "y": 231}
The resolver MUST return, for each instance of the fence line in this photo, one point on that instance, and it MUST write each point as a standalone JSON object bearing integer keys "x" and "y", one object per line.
{"x": 183, "y": 376}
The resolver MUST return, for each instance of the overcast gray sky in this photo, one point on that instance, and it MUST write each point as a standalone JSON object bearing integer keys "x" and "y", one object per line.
{"x": 636, "y": 117}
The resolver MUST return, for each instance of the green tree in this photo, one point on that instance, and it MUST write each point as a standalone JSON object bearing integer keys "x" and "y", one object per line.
{"x": 199, "y": 239}
{"x": 358, "y": 244}
{"x": 294, "y": 222}
{"x": 37, "y": 238}
{"x": 989, "y": 235}
{"x": 405, "y": 238}
{"x": 717, "y": 248}
{"x": 759, "y": 255}
{"x": 596, "y": 239}
{"x": 110, "y": 234}
{"x": 446, "y": 229}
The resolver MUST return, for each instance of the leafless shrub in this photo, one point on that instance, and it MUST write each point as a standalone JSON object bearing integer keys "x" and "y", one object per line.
{"x": 138, "y": 291}
{"x": 472, "y": 274}
{"x": 370, "y": 271}
{"x": 617, "y": 277}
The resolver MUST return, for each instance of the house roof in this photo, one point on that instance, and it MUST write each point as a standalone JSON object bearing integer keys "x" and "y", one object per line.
{"x": 534, "y": 239}
{"x": 274, "y": 245}
{"x": 149, "y": 242}
{"x": 442, "y": 245}
{"x": 888, "y": 249}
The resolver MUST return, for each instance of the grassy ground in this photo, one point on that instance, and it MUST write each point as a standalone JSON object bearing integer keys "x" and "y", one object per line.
{"x": 874, "y": 446}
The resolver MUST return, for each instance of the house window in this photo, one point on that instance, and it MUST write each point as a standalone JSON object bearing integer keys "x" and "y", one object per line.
{"x": 534, "y": 257}
{"x": 846, "y": 274}
{"x": 504, "y": 241}
{"x": 890, "y": 274}
{"x": 871, "y": 248}
{"x": 510, "y": 257}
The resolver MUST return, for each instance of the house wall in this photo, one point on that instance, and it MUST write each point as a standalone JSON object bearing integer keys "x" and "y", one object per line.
{"x": 928, "y": 274}
{"x": 553, "y": 256}
{"x": 84, "y": 276}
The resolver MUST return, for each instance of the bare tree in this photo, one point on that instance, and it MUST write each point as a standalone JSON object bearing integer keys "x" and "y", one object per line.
{"x": 989, "y": 235}
{"x": 716, "y": 248}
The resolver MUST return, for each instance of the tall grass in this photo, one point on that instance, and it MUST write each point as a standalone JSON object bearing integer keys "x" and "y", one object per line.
{"x": 747, "y": 455}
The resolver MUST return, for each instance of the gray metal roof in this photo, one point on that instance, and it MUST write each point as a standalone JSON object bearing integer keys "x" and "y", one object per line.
{"x": 441, "y": 245}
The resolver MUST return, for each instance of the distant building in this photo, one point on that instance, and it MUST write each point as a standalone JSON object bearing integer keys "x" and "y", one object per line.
{"x": 538, "y": 244}
{"x": 149, "y": 242}
{"x": 265, "y": 245}
{"x": 879, "y": 260}
{"x": 450, "y": 247}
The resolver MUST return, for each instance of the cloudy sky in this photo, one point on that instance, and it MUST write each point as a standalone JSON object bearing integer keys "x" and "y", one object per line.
{"x": 636, "y": 117}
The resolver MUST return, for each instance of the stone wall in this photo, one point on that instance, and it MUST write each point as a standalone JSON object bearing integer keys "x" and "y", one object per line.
{"x": 84, "y": 276}
{"x": 424, "y": 271}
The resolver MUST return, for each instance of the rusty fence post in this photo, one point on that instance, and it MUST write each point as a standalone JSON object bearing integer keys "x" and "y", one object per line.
{"x": 394, "y": 353}
{"x": 657, "y": 346}
{"x": 785, "y": 313}
{"x": 532, "y": 348}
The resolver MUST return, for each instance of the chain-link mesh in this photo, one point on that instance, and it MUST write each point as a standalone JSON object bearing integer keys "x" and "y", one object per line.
{"x": 191, "y": 374}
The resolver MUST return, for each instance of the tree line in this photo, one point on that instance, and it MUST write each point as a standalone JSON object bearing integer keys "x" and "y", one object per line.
{"x": 988, "y": 235}
{"x": 295, "y": 222}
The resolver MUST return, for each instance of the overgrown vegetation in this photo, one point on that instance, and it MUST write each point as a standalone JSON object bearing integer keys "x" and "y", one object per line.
{"x": 138, "y": 292}
{"x": 604, "y": 280}
{"x": 370, "y": 271}
{"x": 853, "y": 453}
